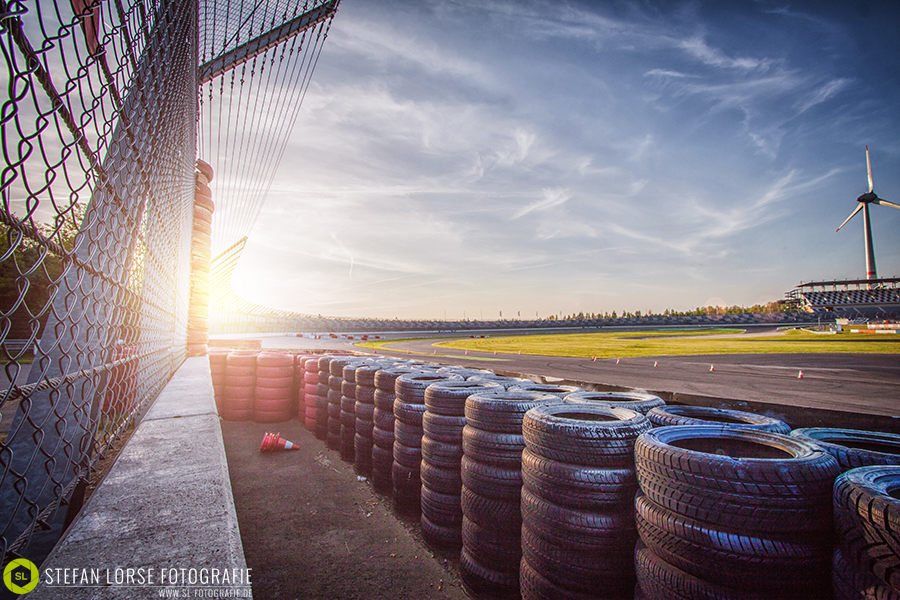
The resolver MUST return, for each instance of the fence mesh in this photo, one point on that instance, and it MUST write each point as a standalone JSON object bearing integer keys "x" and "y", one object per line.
{"x": 98, "y": 132}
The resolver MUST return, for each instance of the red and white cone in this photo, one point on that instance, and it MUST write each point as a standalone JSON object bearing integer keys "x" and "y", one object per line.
{"x": 712, "y": 368}
{"x": 274, "y": 441}
{"x": 800, "y": 375}
{"x": 655, "y": 363}
{"x": 467, "y": 352}
{"x": 617, "y": 361}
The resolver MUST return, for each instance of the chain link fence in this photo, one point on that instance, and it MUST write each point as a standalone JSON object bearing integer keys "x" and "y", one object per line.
{"x": 98, "y": 133}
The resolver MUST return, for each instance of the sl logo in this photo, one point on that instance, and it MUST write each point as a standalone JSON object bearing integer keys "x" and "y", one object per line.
{"x": 21, "y": 576}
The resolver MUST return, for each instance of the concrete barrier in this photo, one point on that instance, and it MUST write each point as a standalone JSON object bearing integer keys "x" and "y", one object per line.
{"x": 165, "y": 510}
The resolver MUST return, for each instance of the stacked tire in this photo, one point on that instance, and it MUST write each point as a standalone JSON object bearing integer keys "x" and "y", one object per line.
{"x": 383, "y": 427}
{"x": 348, "y": 409}
{"x": 309, "y": 384}
{"x": 322, "y": 390}
{"x": 867, "y": 523}
{"x": 505, "y": 381}
{"x": 664, "y": 416}
{"x": 731, "y": 512}
{"x": 442, "y": 431}
{"x": 490, "y": 472}
{"x": 578, "y": 490}
{"x": 274, "y": 394}
{"x": 364, "y": 411}
{"x": 636, "y": 401}
{"x": 217, "y": 357}
{"x": 240, "y": 385}
{"x": 409, "y": 407}
{"x": 335, "y": 380}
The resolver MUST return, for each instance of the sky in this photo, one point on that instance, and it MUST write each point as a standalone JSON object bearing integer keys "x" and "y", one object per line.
{"x": 517, "y": 158}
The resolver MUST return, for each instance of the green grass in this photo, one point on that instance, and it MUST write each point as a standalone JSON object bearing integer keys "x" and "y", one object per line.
{"x": 623, "y": 344}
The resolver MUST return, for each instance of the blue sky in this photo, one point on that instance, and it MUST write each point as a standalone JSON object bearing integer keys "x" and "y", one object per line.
{"x": 464, "y": 158}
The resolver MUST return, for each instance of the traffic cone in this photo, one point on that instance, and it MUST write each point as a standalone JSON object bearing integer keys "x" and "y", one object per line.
{"x": 617, "y": 361}
{"x": 712, "y": 368}
{"x": 594, "y": 358}
{"x": 800, "y": 374}
{"x": 274, "y": 441}
{"x": 467, "y": 352}
{"x": 654, "y": 363}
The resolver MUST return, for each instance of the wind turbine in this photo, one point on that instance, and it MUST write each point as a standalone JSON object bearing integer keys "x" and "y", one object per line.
{"x": 864, "y": 201}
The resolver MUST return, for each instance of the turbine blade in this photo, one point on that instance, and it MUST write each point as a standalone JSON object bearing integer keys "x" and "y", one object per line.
{"x": 853, "y": 214}
{"x": 869, "y": 169}
{"x": 886, "y": 203}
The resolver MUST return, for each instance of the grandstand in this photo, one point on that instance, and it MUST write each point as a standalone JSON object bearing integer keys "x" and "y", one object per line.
{"x": 850, "y": 299}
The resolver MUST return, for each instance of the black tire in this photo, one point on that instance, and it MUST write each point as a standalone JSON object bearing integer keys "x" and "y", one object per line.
{"x": 365, "y": 394}
{"x": 443, "y": 428}
{"x": 867, "y": 520}
{"x": 611, "y": 531}
{"x": 584, "y": 434}
{"x": 851, "y": 583}
{"x": 439, "y": 537}
{"x": 608, "y": 575}
{"x": 440, "y": 454}
{"x": 854, "y": 448}
{"x": 408, "y": 412}
{"x": 501, "y": 551}
{"x": 535, "y": 586}
{"x": 479, "y": 581}
{"x": 410, "y": 387}
{"x": 383, "y": 438}
{"x": 502, "y": 411}
{"x": 778, "y": 564}
{"x": 384, "y": 400}
{"x": 503, "y": 380}
{"x": 383, "y": 419}
{"x": 364, "y": 427}
{"x": 661, "y": 581}
{"x": 407, "y": 434}
{"x": 490, "y": 513}
{"x": 677, "y": 414}
{"x": 385, "y": 379}
{"x": 365, "y": 375}
{"x": 442, "y": 509}
{"x": 449, "y": 397}
{"x": 444, "y": 481}
{"x": 501, "y": 449}
{"x": 577, "y": 486}
{"x": 636, "y": 401}
{"x": 364, "y": 411}
{"x": 501, "y": 483}
{"x": 406, "y": 481}
{"x": 740, "y": 479}
{"x": 408, "y": 456}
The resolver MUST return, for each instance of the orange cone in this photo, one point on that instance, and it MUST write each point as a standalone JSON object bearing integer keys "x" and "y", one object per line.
{"x": 467, "y": 352}
{"x": 800, "y": 375}
{"x": 712, "y": 368}
{"x": 274, "y": 441}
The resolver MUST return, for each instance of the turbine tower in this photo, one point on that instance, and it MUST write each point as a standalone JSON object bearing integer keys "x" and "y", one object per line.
{"x": 864, "y": 201}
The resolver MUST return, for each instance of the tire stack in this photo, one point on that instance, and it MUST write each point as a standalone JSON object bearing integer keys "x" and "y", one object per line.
{"x": 490, "y": 471}
{"x": 442, "y": 430}
{"x": 578, "y": 489}
{"x": 300, "y": 385}
{"x": 409, "y": 406}
{"x": 322, "y": 390}
{"x": 866, "y": 511}
{"x": 364, "y": 410}
{"x": 310, "y": 382}
{"x": 335, "y": 380}
{"x": 636, "y": 401}
{"x": 240, "y": 385}
{"x": 217, "y": 357}
{"x": 274, "y": 395}
{"x": 731, "y": 512}
{"x": 703, "y": 415}
{"x": 383, "y": 426}
{"x": 198, "y": 307}
{"x": 348, "y": 409}
{"x": 867, "y": 524}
